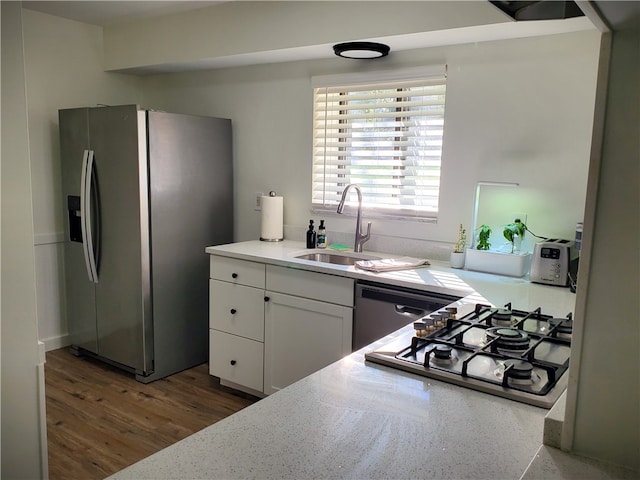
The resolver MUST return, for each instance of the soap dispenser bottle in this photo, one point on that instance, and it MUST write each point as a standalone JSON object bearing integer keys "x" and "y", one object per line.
{"x": 322, "y": 236}
{"x": 311, "y": 236}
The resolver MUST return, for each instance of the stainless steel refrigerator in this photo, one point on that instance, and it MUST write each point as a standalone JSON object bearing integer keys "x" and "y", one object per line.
{"x": 145, "y": 193}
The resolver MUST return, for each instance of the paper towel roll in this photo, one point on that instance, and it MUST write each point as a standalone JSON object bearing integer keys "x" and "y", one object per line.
{"x": 272, "y": 219}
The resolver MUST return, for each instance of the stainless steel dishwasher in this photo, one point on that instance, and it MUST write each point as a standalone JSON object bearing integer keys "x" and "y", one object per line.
{"x": 381, "y": 309}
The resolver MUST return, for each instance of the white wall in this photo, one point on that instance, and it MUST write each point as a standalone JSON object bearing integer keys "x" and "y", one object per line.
{"x": 605, "y": 384}
{"x": 64, "y": 69}
{"x": 517, "y": 110}
{"x": 22, "y": 368}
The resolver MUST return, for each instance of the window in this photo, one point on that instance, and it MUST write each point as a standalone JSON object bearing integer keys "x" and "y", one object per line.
{"x": 385, "y": 136}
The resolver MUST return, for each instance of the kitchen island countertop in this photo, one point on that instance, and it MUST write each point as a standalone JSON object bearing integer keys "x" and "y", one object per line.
{"x": 355, "y": 419}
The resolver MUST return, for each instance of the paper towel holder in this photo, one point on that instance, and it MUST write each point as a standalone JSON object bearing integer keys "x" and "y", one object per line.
{"x": 280, "y": 236}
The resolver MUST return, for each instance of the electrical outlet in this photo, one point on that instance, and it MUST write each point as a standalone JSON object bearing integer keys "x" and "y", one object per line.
{"x": 257, "y": 205}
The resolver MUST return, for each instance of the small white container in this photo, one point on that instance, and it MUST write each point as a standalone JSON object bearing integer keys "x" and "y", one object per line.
{"x": 456, "y": 259}
{"x": 510, "y": 264}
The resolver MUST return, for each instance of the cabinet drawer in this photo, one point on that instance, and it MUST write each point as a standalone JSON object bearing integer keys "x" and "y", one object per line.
{"x": 317, "y": 286}
{"x": 236, "y": 309}
{"x": 236, "y": 359}
{"x": 237, "y": 271}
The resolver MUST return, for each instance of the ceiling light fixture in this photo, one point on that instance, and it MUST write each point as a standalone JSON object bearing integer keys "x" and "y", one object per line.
{"x": 364, "y": 50}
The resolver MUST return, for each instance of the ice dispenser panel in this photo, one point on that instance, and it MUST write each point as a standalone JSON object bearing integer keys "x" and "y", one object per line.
{"x": 73, "y": 210}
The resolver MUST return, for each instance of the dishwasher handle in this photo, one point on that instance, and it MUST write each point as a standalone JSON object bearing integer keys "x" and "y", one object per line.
{"x": 410, "y": 312}
{"x": 427, "y": 301}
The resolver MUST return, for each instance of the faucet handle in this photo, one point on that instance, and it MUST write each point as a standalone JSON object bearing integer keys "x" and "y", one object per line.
{"x": 360, "y": 238}
{"x": 368, "y": 234}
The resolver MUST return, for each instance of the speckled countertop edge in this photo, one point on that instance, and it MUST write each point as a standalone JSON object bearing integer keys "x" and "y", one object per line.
{"x": 550, "y": 463}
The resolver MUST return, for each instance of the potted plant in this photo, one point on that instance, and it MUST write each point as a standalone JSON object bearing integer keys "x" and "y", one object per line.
{"x": 484, "y": 232}
{"x": 457, "y": 256}
{"x": 514, "y": 233}
{"x": 482, "y": 259}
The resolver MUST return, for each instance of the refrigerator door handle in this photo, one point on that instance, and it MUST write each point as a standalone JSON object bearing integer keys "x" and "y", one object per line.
{"x": 85, "y": 209}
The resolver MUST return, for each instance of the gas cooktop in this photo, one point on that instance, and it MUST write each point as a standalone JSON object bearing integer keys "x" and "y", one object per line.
{"x": 515, "y": 354}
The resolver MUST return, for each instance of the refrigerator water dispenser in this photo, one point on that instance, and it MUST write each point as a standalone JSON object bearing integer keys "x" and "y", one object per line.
{"x": 73, "y": 209}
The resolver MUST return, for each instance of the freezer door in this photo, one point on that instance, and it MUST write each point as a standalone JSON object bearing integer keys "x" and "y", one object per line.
{"x": 123, "y": 290}
{"x": 79, "y": 289}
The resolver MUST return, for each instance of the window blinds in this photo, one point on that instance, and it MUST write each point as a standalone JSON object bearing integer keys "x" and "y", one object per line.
{"x": 387, "y": 138}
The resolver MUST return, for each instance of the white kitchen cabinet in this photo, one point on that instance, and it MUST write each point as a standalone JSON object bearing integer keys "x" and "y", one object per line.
{"x": 317, "y": 286}
{"x": 236, "y": 323}
{"x": 271, "y": 326}
{"x": 240, "y": 272}
{"x": 236, "y": 309}
{"x": 237, "y": 360}
{"x": 301, "y": 337}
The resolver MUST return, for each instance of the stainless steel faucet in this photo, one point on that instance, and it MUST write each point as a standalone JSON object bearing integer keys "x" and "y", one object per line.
{"x": 360, "y": 239}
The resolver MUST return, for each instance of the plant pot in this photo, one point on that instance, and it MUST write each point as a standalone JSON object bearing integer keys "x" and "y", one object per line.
{"x": 510, "y": 264}
{"x": 457, "y": 259}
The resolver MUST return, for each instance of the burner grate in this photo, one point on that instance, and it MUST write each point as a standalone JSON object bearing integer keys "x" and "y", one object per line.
{"x": 518, "y": 354}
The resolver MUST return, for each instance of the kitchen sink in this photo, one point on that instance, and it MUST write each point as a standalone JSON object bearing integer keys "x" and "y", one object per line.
{"x": 336, "y": 258}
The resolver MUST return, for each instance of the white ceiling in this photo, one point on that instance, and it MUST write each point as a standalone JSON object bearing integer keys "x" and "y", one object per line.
{"x": 105, "y": 13}
{"x": 112, "y": 12}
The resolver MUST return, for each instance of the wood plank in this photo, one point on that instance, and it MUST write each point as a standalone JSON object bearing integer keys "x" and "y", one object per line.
{"x": 101, "y": 420}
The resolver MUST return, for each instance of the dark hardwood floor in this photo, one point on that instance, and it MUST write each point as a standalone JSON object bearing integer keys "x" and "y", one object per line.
{"x": 100, "y": 419}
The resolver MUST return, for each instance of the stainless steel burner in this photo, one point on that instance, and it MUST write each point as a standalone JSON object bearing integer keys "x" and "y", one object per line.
{"x": 502, "y": 317}
{"x": 507, "y": 339}
{"x": 442, "y": 355}
{"x": 518, "y": 369}
{"x": 564, "y": 325}
{"x": 518, "y": 372}
{"x": 442, "y": 352}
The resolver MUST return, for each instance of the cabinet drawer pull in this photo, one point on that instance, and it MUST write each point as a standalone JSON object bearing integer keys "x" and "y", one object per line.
{"x": 232, "y": 362}
{"x": 234, "y": 275}
{"x": 233, "y": 311}
{"x": 266, "y": 299}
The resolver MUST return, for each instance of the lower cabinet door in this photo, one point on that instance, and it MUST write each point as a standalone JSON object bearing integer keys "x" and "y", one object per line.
{"x": 236, "y": 359}
{"x": 301, "y": 337}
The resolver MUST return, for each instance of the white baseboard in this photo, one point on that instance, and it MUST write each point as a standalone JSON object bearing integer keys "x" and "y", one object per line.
{"x": 55, "y": 343}
{"x": 42, "y": 411}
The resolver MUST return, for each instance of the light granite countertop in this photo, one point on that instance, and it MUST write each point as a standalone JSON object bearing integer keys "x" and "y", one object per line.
{"x": 356, "y": 420}
{"x": 552, "y": 464}
{"x": 439, "y": 277}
